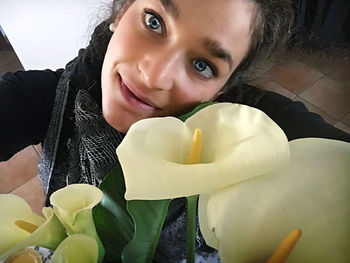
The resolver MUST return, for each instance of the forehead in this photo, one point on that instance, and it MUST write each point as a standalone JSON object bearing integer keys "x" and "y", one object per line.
{"x": 224, "y": 8}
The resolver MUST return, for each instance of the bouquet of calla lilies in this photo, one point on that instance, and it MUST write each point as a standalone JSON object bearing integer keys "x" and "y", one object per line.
{"x": 68, "y": 227}
{"x": 260, "y": 198}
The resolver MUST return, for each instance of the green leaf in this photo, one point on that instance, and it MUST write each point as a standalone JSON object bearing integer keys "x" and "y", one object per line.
{"x": 113, "y": 222}
{"x": 196, "y": 109}
{"x": 148, "y": 217}
{"x": 191, "y": 227}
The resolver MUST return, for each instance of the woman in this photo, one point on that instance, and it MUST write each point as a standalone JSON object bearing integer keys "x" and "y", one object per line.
{"x": 157, "y": 58}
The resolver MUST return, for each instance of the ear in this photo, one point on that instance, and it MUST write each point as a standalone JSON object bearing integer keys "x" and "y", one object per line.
{"x": 121, "y": 13}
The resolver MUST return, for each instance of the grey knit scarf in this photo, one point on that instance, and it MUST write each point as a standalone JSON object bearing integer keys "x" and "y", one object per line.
{"x": 80, "y": 145}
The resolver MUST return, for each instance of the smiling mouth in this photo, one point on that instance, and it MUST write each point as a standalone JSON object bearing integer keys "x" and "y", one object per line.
{"x": 138, "y": 102}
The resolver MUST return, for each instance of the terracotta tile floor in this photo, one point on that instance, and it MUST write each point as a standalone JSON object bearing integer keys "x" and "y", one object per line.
{"x": 321, "y": 83}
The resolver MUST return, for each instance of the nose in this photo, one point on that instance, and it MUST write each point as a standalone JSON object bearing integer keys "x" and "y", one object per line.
{"x": 159, "y": 68}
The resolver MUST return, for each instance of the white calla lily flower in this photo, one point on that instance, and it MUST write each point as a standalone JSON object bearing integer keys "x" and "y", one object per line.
{"x": 73, "y": 206}
{"x": 246, "y": 221}
{"x": 76, "y": 248}
{"x": 239, "y": 143}
{"x": 20, "y": 227}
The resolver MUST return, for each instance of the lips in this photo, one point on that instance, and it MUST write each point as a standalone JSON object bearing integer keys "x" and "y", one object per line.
{"x": 136, "y": 100}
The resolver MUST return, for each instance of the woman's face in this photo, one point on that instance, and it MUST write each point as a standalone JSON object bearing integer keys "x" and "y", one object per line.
{"x": 167, "y": 56}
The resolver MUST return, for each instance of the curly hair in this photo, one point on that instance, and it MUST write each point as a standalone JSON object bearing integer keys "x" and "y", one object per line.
{"x": 270, "y": 30}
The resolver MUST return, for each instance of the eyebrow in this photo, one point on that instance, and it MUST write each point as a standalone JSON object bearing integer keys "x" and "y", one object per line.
{"x": 215, "y": 49}
{"x": 170, "y": 7}
{"x": 212, "y": 46}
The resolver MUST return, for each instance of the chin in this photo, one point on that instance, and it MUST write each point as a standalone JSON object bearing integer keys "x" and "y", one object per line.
{"x": 112, "y": 120}
{"x": 118, "y": 126}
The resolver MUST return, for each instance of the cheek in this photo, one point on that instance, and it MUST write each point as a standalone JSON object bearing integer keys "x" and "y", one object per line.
{"x": 122, "y": 45}
{"x": 188, "y": 97}
{"x": 195, "y": 92}
{"x": 191, "y": 88}
{"x": 126, "y": 40}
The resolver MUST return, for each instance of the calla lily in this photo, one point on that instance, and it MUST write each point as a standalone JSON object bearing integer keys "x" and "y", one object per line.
{"x": 239, "y": 143}
{"x": 21, "y": 228}
{"x": 75, "y": 249}
{"x": 26, "y": 255}
{"x": 73, "y": 206}
{"x": 247, "y": 221}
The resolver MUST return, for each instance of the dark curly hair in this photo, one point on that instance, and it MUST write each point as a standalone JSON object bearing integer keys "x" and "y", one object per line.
{"x": 270, "y": 30}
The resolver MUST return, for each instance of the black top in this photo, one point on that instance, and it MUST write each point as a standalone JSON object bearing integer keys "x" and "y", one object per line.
{"x": 27, "y": 98}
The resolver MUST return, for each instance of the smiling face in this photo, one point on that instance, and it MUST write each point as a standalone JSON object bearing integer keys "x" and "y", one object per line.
{"x": 167, "y": 56}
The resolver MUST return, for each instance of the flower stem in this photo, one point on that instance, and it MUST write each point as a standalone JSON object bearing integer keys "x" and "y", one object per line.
{"x": 194, "y": 158}
{"x": 191, "y": 228}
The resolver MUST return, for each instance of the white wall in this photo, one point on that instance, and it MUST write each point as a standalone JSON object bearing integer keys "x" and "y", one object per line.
{"x": 49, "y": 33}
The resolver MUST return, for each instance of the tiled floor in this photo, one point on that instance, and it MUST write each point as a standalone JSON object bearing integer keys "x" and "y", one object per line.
{"x": 321, "y": 83}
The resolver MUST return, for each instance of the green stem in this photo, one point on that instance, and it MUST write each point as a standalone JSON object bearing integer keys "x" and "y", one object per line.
{"x": 191, "y": 228}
